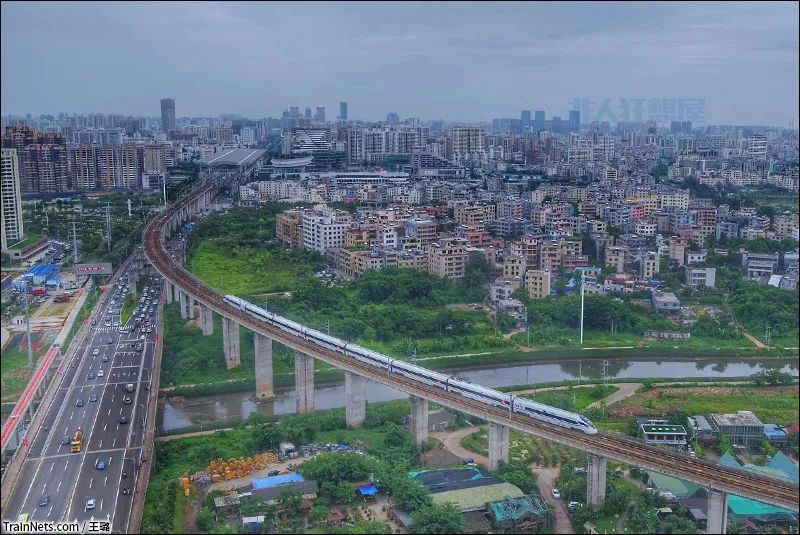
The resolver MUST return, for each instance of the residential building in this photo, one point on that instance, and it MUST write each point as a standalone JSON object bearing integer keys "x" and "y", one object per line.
{"x": 474, "y": 215}
{"x": 84, "y": 168}
{"x": 289, "y": 228}
{"x": 537, "y": 283}
{"x": 650, "y": 265}
{"x": 423, "y": 230}
{"x": 670, "y": 435}
{"x": 12, "y": 230}
{"x": 324, "y": 229}
{"x": 742, "y": 428}
{"x": 514, "y": 266}
{"x": 615, "y": 258}
{"x": 665, "y": 302}
{"x": 448, "y": 258}
{"x": 701, "y": 277}
{"x": 167, "y": 115}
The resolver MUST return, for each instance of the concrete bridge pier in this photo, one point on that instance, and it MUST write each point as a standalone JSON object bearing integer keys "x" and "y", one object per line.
{"x": 206, "y": 319}
{"x": 191, "y": 303}
{"x": 595, "y": 481}
{"x": 419, "y": 420}
{"x": 264, "y": 384}
{"x": 230, "y": 342}
{"x": 168, "y": 288}
{"x": 717, "y": 511}
{"x": 304, "y": 381}
{"x": 498, "y": 445}
{"x": 183, "y": 299}
{"x": 356, "y": 391}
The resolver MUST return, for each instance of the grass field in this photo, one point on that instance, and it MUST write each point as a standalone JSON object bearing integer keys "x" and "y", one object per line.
{"x": 248, "y": 270}
{"x": 771, "y": 404}
{"x": 15, "y": 373}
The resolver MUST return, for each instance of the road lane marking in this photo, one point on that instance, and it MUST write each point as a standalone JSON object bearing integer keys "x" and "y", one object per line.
{"x": 90, "y": 482}
{"x": 52, "y": 466}
{"x": 58, "y": 487}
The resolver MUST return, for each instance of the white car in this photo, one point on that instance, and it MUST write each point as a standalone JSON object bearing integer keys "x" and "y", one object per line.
{"x": 556, "y": 494}
{"x": 100, "y": 373}
{"x": 90, "y": 504}
{"x": 96, "y": 351}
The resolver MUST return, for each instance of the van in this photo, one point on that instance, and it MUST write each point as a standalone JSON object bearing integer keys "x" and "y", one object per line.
{"x": 129, "y": 387}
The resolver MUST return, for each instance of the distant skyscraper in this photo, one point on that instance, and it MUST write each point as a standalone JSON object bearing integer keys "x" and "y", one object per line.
{"x": 320, "y": 115}
{"x": 525, "y": 119}
{"x": 308, "y": 113}
{"x": 574, "y": 120}
{"x": 167, "y": 115}
{"x": 538, "y": 120}
{"x": 343, "y": 111}
{"x": 10, "y": 199}
{"x": 392, "y": 118}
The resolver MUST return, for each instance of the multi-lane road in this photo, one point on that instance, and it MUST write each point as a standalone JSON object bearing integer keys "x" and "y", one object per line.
{"x": 94, "y": 396}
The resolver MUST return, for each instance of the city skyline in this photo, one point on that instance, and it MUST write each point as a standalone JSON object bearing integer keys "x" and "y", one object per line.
{"x": 487, "y": 63}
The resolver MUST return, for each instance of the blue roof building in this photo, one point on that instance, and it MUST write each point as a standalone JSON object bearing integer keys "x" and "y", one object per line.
{"x": 275, "y": 481}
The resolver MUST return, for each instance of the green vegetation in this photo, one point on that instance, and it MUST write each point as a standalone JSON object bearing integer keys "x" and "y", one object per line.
{"x": 438, "y": 518}
{"x": 771, "y": 404}
{"x": 761, "y": 307}
{"x": 527, "y": 449}
{"x": 382, "y": 438}
{"x": 30, "y": 239}
{"x": 15, "y": 372}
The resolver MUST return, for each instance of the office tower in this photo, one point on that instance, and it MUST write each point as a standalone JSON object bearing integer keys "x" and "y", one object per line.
{"x": 538, "y": 120}
{"x": 392, "y": 118}
{"x": 11, "y": 231}
{"x": 525, "y": 120}
{"x": 343, "y": 111}
{"x": 167, "y": 115}
{"x": 574, "y": 120}
{"x": 319, "y": 116}
{"x": 308, "y": 113}
{"x": 555, "y": 125}
{"x": 294, "y": 112}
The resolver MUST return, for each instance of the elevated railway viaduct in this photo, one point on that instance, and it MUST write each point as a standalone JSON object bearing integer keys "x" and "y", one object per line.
{"x": 197, "y": 298}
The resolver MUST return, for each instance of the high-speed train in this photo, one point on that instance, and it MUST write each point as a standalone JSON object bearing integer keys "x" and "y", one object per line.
{"x": 439, "y": 380}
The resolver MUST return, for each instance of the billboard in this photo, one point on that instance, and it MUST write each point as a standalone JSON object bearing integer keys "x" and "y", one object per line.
{"x": 99, "y": 268}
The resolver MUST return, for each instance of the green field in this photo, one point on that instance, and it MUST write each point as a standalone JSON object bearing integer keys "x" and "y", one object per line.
{"x": 524, "y": 448}
{"x": 15, "y": 372}
{"x": 30, "y": 239}
{"x": 771, "y": 404}
{"x": 575, "y": 398}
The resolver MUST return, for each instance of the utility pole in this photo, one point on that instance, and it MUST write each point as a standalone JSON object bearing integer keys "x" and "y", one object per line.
{"x": 30, "y": 350}
{"x": 583, "y": 280}
{"x": 769, "y": 337}
{"x": 414, "y": 355}
{"x": 605, "y": 373}
{"x": 108, "y": 225}
{"x": 74, "y": 249}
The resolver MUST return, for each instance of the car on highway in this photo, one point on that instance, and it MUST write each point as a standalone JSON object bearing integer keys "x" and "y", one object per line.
{"x": 116, "y": 324}
{"x": 100, "y": 465}
{"x": 80, "y": 402}
{"x": 556, "y": 494}
{"x": 96, "y": 351}
{"x": 123, "y": 420}
{"x": 149, "y": 330}
{"x": 110, "y": 340}
{"x": 100, "y": 373}
{"x": 127, "y": 400}
{"x": 45, "y": 501}
{"x": 65, "y": 440}
{"x": 107, "y": 324}
{"x": 126, "y": 491}
{"x": 105, "y": 358}
{"x": 90, "y": 376}
{"x": 90, "y": 503}
{"x": 572, "y": 506}
{"x": 93, "y": 398}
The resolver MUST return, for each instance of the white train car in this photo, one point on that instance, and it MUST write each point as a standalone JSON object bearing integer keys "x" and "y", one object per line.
{"x": 420, "y": 374}
{"x": 480, "y": 393}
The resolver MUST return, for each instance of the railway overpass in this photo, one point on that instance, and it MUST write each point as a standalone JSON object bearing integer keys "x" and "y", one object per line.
{"x": 196, "y": 298}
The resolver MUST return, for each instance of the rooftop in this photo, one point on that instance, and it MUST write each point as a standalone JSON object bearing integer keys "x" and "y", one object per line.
{"x": 741, "y": 418}
{"x": 470, "y": 499}
{"x": 664, "y": 429}
{"x": 30, "y": 239}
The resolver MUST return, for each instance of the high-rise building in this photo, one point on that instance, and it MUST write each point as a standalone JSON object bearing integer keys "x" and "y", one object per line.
{"x": 466, "y": 140}
{"x": 525, "y": 120}
{"x": 308, "y": 113}
{"x": 392, "y": 118}
{"x": 538, "y": 120}
{"x": 319, "y": 116}
{"x": 343, "y": 111}
{"x": 83, "y": 164}
{"x": 42, "y": 157}
{"x": 10, "y": 199}
{"x": 167, "y": 115}
{"x": 574, "y": 120}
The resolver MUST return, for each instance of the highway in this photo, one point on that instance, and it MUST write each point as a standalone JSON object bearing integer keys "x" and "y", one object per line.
{"x": 56, "y": 485}
{"x": 629, "y": 451}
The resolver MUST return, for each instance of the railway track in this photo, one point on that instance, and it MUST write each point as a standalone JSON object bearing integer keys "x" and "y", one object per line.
{"x": 722, "y": 478}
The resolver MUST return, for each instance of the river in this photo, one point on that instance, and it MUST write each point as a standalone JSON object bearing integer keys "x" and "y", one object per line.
{"x": 235, "y": 407}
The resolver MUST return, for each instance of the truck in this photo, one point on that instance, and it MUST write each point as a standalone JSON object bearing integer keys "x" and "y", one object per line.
{"x": 38, "y": 291}
{"x": 77, "y": 441}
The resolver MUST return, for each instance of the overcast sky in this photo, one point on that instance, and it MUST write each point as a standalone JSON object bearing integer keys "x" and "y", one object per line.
{"x": 454, "y": 61}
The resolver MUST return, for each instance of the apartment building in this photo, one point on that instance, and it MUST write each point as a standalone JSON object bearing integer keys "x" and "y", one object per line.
{"x": 528, "y": 247}
{"x": 514, "y": 266}
{"x": 289, "y": 228}
{"x": 423, "y": 230}
{"x": 701, "y": 276}
{"x": 10, "y": 199}
{"x": 537, "y": 283}
{"x": 650, "y": 265}
{"x": 474, "y": 215}
{"x": 448, "y": 258}
{"x": 615, "y": 258}
{"x": 324, "y": 229}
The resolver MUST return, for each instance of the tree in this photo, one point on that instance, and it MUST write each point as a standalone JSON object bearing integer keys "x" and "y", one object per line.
{"x": 438, "y": 518}
{"x": 520, "y": 475}
{"x": 290, "y": 500}
{"x": 678, "y": 524}
{"x": 318, "y": 513}
{"x": 477, "y": 271}
{"x": 724, "y": 444}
